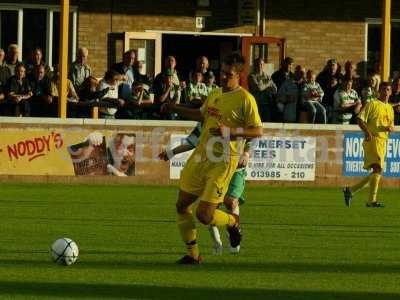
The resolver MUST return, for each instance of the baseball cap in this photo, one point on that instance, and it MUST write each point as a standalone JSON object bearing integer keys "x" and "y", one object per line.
{"x": 332, "y": 61}
{"x": 209, "y": 74}
{"x": 169, "y": 72}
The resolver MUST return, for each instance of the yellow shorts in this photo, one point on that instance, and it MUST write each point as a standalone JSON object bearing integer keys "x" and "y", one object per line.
{"x": 206, "y": 179}
{"x": 374, "y": 152}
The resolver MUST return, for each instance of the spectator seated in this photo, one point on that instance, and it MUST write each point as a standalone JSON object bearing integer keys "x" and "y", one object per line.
{"x": 196, "y": 90}
{"x": 312, "y": 95}
{"x": 19, "y": 93}
{"x": 42, "y": 104}
{"x": 346, "y": 103}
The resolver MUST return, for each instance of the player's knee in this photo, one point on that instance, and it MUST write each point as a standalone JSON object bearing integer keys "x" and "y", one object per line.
{"x": 376, "y": 169}
{"x": 205, "y": 216}
{"x": 184, "y": 202}
{"x": 181, "y": 207}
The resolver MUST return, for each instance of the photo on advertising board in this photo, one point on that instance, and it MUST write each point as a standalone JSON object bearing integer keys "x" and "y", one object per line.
{"x": 67, "y": 152}
{"x": 98, "y": 155}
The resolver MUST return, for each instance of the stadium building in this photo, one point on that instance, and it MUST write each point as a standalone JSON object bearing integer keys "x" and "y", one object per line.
{"x": 309, "y": 31}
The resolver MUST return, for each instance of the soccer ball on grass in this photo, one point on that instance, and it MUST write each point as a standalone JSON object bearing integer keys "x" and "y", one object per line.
{"x": 64, "y": 251}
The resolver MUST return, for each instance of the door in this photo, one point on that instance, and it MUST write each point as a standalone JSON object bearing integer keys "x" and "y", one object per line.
{"x": 149, "y": 48}
{"x": 271, "y": 49}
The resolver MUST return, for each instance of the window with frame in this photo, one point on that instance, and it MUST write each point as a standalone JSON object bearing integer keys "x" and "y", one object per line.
{"x": 9, "y": 28}
{"x": 32, "y": 26}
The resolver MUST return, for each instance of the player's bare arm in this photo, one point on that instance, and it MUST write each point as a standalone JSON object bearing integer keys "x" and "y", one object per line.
{"x": 233, "y": 133}
{"x": 244, "y": 159}
{"x": 186, "y": 112}
{"x": 363, "y": 126}
{"x": 167, "y": 155}
{"x": 390, "y": 128}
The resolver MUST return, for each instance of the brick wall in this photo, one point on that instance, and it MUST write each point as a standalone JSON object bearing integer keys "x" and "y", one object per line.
{"x": 312, "y": 43}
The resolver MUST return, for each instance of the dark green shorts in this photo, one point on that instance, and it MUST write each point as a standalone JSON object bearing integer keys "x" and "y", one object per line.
{"x": 237, "y": 185}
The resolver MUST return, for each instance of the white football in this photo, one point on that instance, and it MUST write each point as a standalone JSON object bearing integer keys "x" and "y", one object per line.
{"x": 64, "y": 251}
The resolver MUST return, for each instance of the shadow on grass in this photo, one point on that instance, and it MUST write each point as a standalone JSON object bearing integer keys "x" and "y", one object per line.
{"x": 212, "y": 266}
{"x": 128, "y": 221}
{"x": 119, "y": 291}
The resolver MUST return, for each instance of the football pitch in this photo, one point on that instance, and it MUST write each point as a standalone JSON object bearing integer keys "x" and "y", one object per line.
{"x": 299, "y": 243}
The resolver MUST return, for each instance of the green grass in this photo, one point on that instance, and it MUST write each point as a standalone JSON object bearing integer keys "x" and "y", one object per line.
{"x": 298, "y": 244}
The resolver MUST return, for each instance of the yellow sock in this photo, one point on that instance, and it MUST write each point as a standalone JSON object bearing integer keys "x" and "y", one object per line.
{"x": 187, "y": 228}
{"x": 362, "y": 184}
{"x": 374, "y": 186}
{"x": 222, "y": 218}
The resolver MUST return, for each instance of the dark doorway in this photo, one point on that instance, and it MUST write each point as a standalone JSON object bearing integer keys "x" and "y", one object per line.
{"x": 374, "y": 46}
{"x": 186, "y": 48}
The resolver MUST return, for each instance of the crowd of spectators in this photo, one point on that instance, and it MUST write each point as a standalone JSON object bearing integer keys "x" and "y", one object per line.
{"x": 292, "y": 94}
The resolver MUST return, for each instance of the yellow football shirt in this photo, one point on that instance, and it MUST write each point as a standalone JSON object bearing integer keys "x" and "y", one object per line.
{"x": 378, "y": 115}
{"x": 234, "y": 109}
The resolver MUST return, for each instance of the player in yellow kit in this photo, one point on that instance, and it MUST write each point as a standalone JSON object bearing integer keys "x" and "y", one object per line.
{"x": 229, "y": 116}
{"x": 376, "y": 121}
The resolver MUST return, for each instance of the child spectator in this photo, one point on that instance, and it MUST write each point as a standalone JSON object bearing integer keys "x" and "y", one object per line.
{"x": 196, "y": 91}
{"x": 88, "y": 89}
{"x": 142, "y": 105}
{"x": 209, "y": 80}
{"x": 110, "y": 101}
{"x": 312, "y": 94}
{"x": 346, "y": 103}
{"x": 368, "y": 93}
{"x": 142, "y": 95}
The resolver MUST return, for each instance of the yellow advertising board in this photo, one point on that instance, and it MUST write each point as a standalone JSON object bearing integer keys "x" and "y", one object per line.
{"x": 66, "y": 152}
